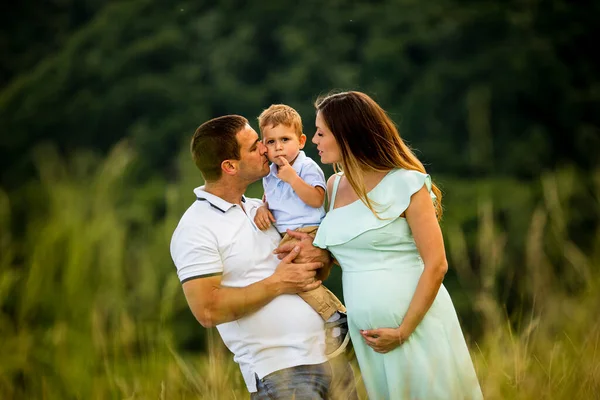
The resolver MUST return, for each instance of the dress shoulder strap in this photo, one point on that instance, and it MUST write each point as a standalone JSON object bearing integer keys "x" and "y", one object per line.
{"x": 336, "y": 183}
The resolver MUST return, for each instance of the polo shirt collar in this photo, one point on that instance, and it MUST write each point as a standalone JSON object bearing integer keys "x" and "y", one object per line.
{"x": 215, "y": 201}
{"x": 297, "y": 165}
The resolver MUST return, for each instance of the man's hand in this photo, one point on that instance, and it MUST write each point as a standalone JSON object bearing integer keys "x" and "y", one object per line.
{"x": 292, "y": 278}
{"x": 263, "y": 218}
{"x": 308, "y": 252}
{"x": 285, "y": 172}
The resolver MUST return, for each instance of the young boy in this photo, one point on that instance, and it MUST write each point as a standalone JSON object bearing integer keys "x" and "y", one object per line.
{"x": 294, "y": 197}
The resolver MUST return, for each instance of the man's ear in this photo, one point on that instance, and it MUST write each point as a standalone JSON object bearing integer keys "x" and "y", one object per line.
{"x": 302, "y": 140}
{"x": 229, "y": 167}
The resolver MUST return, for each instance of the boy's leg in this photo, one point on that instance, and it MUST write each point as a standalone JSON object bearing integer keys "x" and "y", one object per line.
{"x": 330, "y": 308}
{"x": 333, "y": 300}
{"x": 321, "y": 299}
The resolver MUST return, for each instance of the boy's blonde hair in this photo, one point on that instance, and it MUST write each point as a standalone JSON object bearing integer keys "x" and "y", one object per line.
{"x": 280, "y": 114}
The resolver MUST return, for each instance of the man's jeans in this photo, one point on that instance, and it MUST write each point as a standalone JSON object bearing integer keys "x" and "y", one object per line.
{"x": 330, "y": 380}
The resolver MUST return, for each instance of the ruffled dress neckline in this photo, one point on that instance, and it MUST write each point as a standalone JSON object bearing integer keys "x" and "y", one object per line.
{"x": 390, "y": 197}
{"x": 337, "y": 182}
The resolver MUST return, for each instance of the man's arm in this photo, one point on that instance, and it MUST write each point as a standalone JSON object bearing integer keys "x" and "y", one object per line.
{"x": 213, "y": 304}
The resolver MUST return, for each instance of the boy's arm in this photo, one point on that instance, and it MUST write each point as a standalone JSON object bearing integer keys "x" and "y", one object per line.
{"x": 313, "y": 196}
{"x": 264, "y": 218}
{"x": 310, "y": 195}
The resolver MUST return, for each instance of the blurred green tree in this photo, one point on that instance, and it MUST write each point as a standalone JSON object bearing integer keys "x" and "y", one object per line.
{"x": 480, "y": 88}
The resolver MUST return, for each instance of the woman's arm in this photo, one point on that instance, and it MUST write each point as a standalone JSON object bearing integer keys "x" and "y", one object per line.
{"x": 427, "y": 234}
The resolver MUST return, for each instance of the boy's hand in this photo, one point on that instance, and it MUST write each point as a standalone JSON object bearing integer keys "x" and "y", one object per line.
{"x": 286, "y": 172}
{"x": 263, "y": 218}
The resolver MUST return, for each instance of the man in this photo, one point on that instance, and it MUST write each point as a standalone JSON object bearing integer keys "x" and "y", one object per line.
{"x": 232, "y": 279}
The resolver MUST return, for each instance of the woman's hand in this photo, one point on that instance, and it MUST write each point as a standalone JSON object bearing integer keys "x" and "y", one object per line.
{"x": 383, "y": 340}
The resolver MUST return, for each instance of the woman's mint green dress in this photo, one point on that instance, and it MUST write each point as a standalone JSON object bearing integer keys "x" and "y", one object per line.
{"x": 381, "y": 267}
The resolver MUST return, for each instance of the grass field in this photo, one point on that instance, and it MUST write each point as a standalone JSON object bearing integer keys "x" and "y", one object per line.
{"x": 91, "y": 308}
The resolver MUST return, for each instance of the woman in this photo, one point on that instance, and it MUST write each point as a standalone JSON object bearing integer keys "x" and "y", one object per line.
{"x": 382, "y": 227}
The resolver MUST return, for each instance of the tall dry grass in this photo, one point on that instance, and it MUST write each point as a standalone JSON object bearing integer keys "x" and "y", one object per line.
{"x": 553, "y": 350}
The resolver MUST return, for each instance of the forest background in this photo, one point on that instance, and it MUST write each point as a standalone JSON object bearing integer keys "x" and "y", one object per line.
{"x": 99, "y": 99}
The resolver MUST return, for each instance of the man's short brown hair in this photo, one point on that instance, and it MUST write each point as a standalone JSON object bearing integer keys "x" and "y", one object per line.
{"x": 280, "y": 114}
{"x": 214, "y": 142}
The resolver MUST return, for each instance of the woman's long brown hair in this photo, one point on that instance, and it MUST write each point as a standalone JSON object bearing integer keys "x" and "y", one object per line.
{"x": 367, "y": 137}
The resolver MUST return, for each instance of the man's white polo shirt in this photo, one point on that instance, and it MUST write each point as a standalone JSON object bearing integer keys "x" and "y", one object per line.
{"x": 217, "y": 237}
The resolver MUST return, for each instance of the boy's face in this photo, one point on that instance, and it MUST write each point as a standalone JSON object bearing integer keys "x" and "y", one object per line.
{"x": 282, "y": 141}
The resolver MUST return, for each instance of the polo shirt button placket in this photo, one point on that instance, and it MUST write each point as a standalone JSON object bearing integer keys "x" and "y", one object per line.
{"x": 243, "y": 210}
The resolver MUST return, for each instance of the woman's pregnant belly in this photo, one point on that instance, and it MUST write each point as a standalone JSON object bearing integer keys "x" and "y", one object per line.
{"x": 380, "y": 298}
